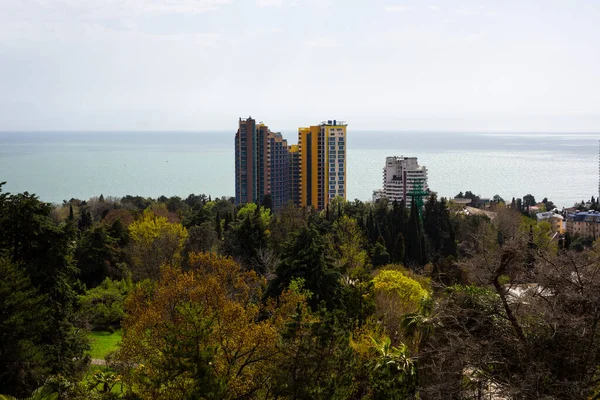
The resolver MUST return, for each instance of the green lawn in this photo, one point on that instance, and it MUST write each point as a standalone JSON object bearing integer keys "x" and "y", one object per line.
{"x": 104, "y": 342}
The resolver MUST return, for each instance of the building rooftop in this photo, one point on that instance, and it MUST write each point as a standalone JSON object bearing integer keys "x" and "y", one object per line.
{"x": 333, "y": 122}
{"x": 548, "y": 215}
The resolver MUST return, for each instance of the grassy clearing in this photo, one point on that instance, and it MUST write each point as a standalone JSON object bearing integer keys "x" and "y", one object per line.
{"x": 104, "y": 342}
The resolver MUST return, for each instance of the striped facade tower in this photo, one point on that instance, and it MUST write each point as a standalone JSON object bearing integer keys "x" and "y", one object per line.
{"x": 261, "y": 164}
{"x": 322, "y": 163}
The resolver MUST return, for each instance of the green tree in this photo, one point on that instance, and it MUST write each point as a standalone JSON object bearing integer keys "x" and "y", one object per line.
{"x": 414, "y": 240}
{"x": 529, "y": 200}
{"x": 218, "y": 227}
{"x": 248, "y": 237}
{"x": 42, "y": 249}
{"x": 317, "y": 361}
{"x": 305, "y": 257}
{"x": 102, "y": 306}
{"x": 96, "y": 250}
{"x": 380, "y": 254}
{"x": 23, "y": 321}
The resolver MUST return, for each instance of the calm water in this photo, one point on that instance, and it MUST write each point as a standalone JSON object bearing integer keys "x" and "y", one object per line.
{"x": 57, "y": 166}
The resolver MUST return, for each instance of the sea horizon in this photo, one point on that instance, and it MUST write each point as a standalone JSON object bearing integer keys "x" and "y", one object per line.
{"x": 58, "y": 165}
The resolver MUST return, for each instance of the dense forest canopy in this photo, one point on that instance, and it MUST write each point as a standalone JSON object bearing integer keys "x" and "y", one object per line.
{"x": 360, "y": 300}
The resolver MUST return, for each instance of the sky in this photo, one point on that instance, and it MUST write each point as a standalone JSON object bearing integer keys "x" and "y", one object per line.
{"x": 458, "y": 65}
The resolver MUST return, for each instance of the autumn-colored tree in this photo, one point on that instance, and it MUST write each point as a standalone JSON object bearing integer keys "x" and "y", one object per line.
{"x": 202, "y": 333}
{"x": 154, "y": 242}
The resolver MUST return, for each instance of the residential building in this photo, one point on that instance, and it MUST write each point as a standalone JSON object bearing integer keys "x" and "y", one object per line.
{"x": 403, "y": 178}
{"x": 556, "y": 220}
{"x": 294, "y": 174}
{"x": 322, "y": 162}
{"x": 584, "y": 223}
{"x": 278, "y": 170}
{"x": 307, "y": 174}
{"x": 261, "y": 164}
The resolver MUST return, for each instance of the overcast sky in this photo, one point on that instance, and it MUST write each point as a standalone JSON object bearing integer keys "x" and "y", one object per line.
{"x": 497, "y": 65}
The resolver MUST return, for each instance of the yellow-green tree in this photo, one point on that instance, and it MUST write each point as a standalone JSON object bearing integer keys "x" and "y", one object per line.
{"x": 349, "y": 244}
{"x": 397, "y": 294}
{"x": 154, "y": 242}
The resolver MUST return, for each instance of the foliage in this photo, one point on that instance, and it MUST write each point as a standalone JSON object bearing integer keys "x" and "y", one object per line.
{"x": 23, "y": 317}
{"x": 154, "y": 242}
{"x": 396, "y": 295}
{"x": 102, "y": 306}
{"x": 247, "y": 239}
{"x": 393, "y": 282}
{"x": 349, "y": 244}
{"x": 393, "y": 372}
{"x": 42, "y": 250}
{"x": 96, "y": 250}
{"x": 305, "y": 256}
{"x": 198, "y": 333}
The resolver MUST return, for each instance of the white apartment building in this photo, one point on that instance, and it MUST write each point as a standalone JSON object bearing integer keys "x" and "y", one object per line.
{"x": 402, "y": 176}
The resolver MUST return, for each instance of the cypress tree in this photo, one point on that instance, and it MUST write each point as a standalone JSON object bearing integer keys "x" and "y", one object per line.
{"x": 371, "y": 227}
{"x": 71, "y": 216}
{"x": 380, "y": 254}
{"x": 267, "y": 202}
{"x": 227, "y": 221}
{"x": 414, "y": 240}
{"x": 218, "y": 226}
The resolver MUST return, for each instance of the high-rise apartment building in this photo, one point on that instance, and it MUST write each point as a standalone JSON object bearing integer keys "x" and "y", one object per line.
{"x": 294, "y": 174}
{"x": 403, "y": 179}
{"x": 278, "y": 170}
{"x": 261, "y": 164}
{"x": 310, "y": 173}
{"x": 322, "y": 163}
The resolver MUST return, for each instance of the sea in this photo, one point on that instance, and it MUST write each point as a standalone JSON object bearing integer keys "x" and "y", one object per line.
{"x": 57, "y": 166}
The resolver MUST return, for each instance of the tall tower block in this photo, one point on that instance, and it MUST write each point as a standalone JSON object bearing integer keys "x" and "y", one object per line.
{"x": 261, "y": 164}
{"x": 322, "y": 163}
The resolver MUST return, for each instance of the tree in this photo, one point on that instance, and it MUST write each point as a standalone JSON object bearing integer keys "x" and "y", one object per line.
{"x": 497, "y": 199}
{"x": 397, "y": 294}
{"x": 102, "y": 306}
{"x": 248, "y": 237}
{"x": 267, "y": 202}
{"x": 42, "y": 250}
{"x": 529, "y": 200}
{"x": 154, "y": 242}
{"x": 95, "y": 252}
{"x": 519, "y": 205}
{"x": 414, "y": 239}
{"x": 550, "y": 205}
{"x": 438, "y": 228}
{"x": 218, "y": 227}
{"x": 317, "y": 360}
{"x": 201, "y": 333}
{"x": 380, "y": 254}
{"x": 23, "y": 321}
{"x": 201, "y": 238}
{"x": 348, "y": 244}
{"x": 305, "y": 257}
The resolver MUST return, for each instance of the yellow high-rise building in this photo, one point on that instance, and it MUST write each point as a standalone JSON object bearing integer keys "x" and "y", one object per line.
{"x": 322, "y": 162}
